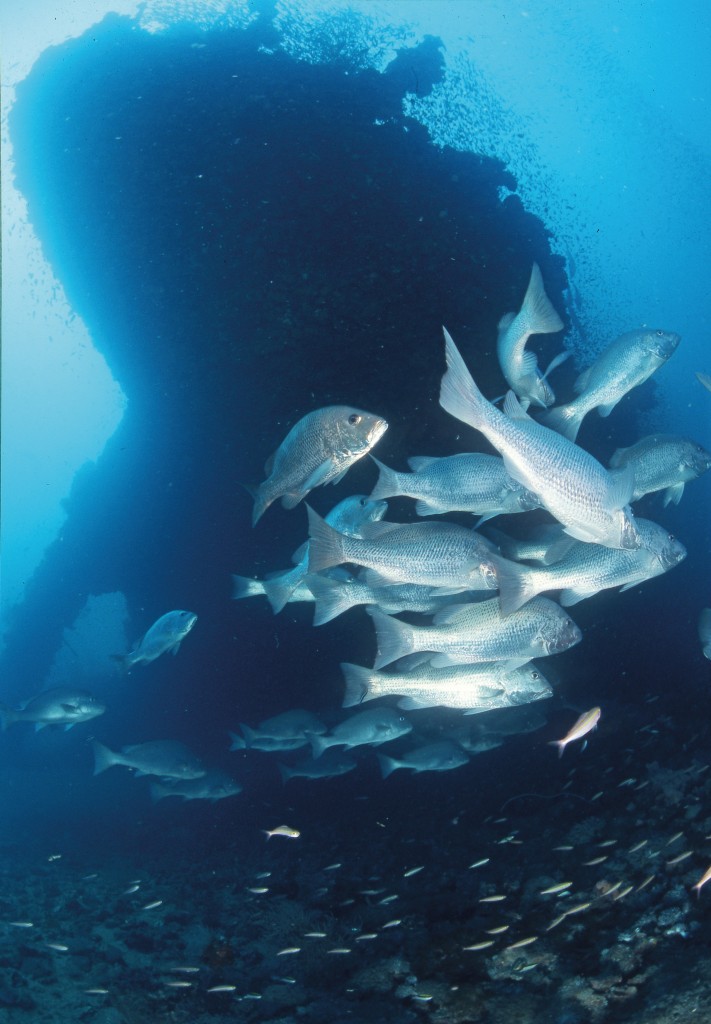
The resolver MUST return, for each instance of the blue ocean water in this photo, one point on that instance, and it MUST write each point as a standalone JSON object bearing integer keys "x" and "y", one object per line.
{"x": 257, "y": 217}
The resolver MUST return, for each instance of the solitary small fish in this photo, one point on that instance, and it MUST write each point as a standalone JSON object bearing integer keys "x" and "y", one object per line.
{"x": 282, "y": 830}
{"x": 585, "y": 724}
{"x": 318, "y": 450}
{"x": 166, "y": 634}
{"x": 705, "y": 632}
{"x": 704, "y": 378}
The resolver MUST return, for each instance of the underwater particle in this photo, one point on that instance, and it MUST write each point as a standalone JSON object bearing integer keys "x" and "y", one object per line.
{"x": 178, "y": 984}
{"x": 623, "y": 892}
{"x": 282, "y": 830}
{"x": 366, "y": 937}
{"x": 392, "y": 924}
{"x": 258, "y": 890}
{"x": 21, "y": 924}
{"x": 594, "y": 861}
{"x": 184, "y": 970}
{"x": 289, "y": 951}
{"x": 413, "y": 871}
{"x": 563, "y": 849}
{"x": 606, "y": 843}
{"x": 96, "y": 991}
{"x": 638, "y": 846}
{"x": 333, "y": 867}
{"x": 704, "y": 378}
{"x": 388, "y": 899}
{"x": 153, "y": 905}
{"x": 57, "y": 946}
{"x": 496, "y": 898}
{"x": 222, "y": 988}
{"x": 585, "y": 724}
{"x": 314, "y": 935}
{"x": 498, "y": 931}
{"x": 558, "y": 920}
{"x": 479, "y": 863}
{"x": 339, "y": 950}
{"x": 131, "y": 889}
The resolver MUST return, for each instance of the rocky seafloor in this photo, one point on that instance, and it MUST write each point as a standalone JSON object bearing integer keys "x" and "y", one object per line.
{"x": 372, "y": 914}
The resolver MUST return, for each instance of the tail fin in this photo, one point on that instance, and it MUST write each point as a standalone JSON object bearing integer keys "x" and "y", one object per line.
{"x": 159, "y": 792}
{"x": 388, "y": 765}
{"x": 565, "y": 419}
{"x": 326, "y": 547}
{"x": 332, "y": 598}
{"x": 459, "y": 395}
{"x": 103, "y": 757}
{"x": 517, "y": 584}
{"x": 357, "y": 681}
{"x": 242, "y": 586}
{"x": 318, "y": 745}
{"x": 389, "y": 484}
{"x": 248, "y": 734}
{"x": 541, "y": 317}
{"x": 560, "y": 744}
{"x": 279, "y": 589}
{"x": 238, "y": 742}
{"x": 285, "y": 771}
{"x": 394, "y": 638}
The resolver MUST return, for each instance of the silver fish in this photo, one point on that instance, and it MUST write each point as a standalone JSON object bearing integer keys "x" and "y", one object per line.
{"x": 331, "y": 764}
{"x": 570, "y": 483}
{"x": 168, "y": 759}
{"x": 436, "y": 554}
{"x": 457, "y": 483}
{"x": 705, "y": 631}
{"x": 333, "y": 597}
{"x": 704, "y": 378}
{"x": 586, "y": 569}
{"x": 59, "y": 706}
{"x": 318, "y": 450}
{"x": 481, "y": 687}
{"x": 288, "y": 725}
{"x": 348, "y": 517}
{"x": 466, "y": 634}
{"x": 434, "y": 757}
{"x": 626, "y": 363}
{"x": 663, "y": 462}
{"x": 212, "y": 786}
{"x": 268, "y": 744}
{"x": 519, "y": 367}
{"x": 166, "y": 634}
{"x": 373, "y": 727}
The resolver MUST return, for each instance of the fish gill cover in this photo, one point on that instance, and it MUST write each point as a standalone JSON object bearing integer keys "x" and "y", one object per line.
{"x": 254, "y": 225}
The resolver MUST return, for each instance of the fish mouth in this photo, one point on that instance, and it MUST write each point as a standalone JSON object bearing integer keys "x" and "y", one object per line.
{"x": 667, "y": 344}
{"x": 565, "y": 639}
{"x": 671, "y": 556}
{"x": 377, "y": 431}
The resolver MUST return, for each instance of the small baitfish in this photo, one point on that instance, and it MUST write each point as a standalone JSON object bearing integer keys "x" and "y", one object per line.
{"x": 585, "y": 724}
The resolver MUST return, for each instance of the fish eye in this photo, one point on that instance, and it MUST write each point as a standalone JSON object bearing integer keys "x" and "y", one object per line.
{"x": 363, "y": 502}
{"x": 535, "y": 675}
{"x": 670, "y": 536}
{"x": 354, "y": 418}
{"x": 660, "y": 334}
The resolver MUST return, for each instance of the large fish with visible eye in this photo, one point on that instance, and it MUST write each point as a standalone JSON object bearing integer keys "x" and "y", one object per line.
{"x": 663, "y": 462}
{"x": 318, "y": 450}
{"x": 166, "y": 634}
{"x": 59, "y": 706}
{"x": 588, "y": 500}
{"x": 626, "y": 363}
